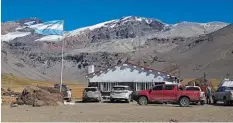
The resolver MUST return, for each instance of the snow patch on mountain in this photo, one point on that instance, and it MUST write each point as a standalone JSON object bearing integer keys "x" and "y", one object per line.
{"x": 190, "y": 29}
{"x": 111, "y": 23}
{"x": 19, "y": 28}
{"x": 12, "y": 35}
{"x": 51, "y": 38}
{"x": 127, "y": 17}
{"x": 102, "y": 24}
{"x": 30, "y": 23}
{"x": 134, "y": 18}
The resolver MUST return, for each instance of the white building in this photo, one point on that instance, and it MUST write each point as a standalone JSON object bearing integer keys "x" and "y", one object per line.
{"x": 138, "y": 78}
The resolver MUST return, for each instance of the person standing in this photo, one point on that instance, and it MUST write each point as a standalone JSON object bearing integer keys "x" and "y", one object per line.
{"x": 208, "y": 95}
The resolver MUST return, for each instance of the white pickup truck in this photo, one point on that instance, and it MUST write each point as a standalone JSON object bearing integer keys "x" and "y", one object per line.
{"x": 120, "y": 92}
{"x": 197, "y": 88}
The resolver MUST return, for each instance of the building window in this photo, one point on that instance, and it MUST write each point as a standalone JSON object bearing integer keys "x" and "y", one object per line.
{"x": 139, "y": 86}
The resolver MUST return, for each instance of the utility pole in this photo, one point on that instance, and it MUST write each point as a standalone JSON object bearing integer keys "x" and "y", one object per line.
{"x": 62, "y": 60}
{"x": 62, "y": 41}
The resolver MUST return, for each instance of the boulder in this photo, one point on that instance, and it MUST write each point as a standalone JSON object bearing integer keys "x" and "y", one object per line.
{"x": 38, "y": 103}
{"x": 40, "y": 96}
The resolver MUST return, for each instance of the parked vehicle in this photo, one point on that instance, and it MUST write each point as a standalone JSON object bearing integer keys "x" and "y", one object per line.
{"x": 66, "y": 91}
{"x": 224, "y": 94}
{"x": 168, "y": 93}
{"x": 120, "y": 93}
{"x": 197, "y": 88}
{"x": 91, "y": 94}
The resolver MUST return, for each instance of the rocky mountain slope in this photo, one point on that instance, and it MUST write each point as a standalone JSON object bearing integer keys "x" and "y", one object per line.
{"x": 145, "y": 41}
{"x": 212, "y": 54}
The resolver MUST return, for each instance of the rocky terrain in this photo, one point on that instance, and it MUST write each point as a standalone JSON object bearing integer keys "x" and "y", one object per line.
{"x": 195, "y": 48}
{"x": 37, "y": 96}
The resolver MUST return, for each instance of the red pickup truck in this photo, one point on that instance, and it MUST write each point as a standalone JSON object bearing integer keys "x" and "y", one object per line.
{"x": 168, "y": 93}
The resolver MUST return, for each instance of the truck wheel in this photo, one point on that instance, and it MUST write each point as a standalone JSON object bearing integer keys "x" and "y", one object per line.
{"x": 100, "y": 99}
{"x": 69, "y": 100}
{"x": 142, "y": 100}
{"x": 184, "y": 102}
{"x": 202, "y": 102}
{"x": 225, "y": 101}
{"x": 214, "y": 100}
{"x": 129, "y": 99}
{"x": 111, "y": 100}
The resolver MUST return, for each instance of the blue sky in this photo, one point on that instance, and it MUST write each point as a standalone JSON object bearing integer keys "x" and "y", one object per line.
{"x": 80, "y": 13}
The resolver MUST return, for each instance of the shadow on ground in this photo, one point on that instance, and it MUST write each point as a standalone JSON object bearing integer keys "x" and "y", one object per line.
{"x": 155, "y": 103}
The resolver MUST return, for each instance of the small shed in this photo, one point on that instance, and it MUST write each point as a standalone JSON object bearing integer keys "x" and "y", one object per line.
{"x": 136, "y": 77}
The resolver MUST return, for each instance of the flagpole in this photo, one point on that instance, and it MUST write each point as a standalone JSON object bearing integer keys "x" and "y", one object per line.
{"x": 62, "y": 49}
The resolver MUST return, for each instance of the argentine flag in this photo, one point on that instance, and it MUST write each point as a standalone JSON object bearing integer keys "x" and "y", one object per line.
{"x": 49, "y": 28}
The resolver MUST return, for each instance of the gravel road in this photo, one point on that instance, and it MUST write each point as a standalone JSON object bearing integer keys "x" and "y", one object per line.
{"x": 109, "y": 112}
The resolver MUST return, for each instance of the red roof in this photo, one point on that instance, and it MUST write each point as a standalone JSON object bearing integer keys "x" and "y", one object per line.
{"x": 132, "y": 64}
{"x": 147, "y": 68}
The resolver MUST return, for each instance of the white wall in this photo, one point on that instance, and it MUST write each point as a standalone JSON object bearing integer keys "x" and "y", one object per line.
{"x": 128, "y": 73}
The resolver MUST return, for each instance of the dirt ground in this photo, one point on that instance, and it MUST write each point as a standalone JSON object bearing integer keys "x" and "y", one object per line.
{"x": 116, "y": 112}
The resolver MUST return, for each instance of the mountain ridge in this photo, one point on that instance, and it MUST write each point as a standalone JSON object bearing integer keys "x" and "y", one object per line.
{"x": 128, "y": 27}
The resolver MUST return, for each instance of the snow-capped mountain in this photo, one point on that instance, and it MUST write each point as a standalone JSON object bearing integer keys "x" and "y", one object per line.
{"x": 190, "y": 29}
{"x": 29, "y": 54}
{"x": 131, "y": 27}
{"x": 23, "y": 29}
{"x": 128, "y": 21}
{"x": 124, "y": 28}
{"x": 17, "y": 29}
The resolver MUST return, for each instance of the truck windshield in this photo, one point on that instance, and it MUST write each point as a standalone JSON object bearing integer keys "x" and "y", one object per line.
{"x": 229, "y": 88}
{"x": 119, "y": 88}
{"x": 90, "y": 89}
